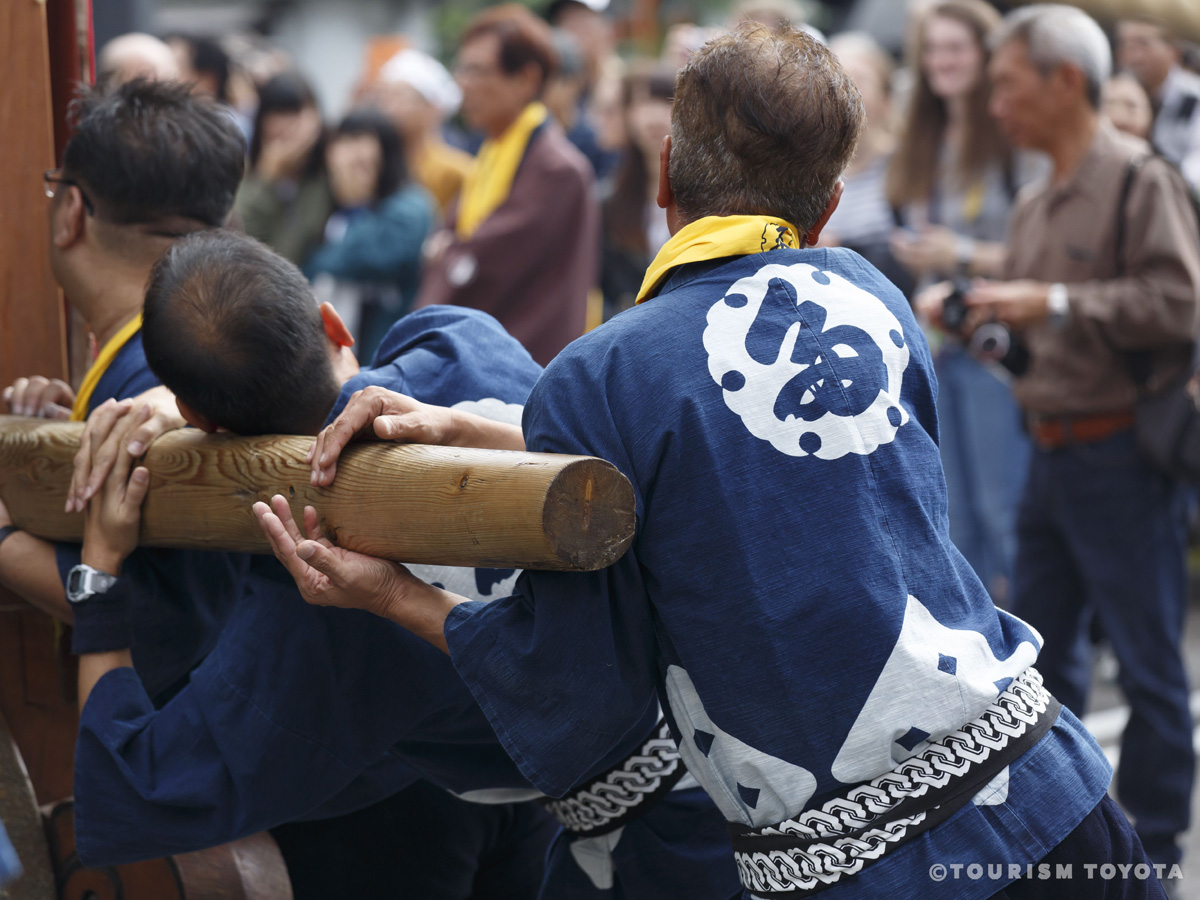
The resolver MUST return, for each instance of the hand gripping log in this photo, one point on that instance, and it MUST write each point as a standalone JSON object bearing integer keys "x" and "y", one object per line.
{"x": 409, "y": 503}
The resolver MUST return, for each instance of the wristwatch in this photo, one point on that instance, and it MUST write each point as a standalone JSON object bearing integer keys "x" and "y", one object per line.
{"x": 1057, "y": 305}
{"x": 84, "y": 582}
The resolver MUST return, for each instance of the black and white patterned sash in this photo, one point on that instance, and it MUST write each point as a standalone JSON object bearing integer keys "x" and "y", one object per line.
{"x": 820, "y": 846}
{"x": 625, "y": 792}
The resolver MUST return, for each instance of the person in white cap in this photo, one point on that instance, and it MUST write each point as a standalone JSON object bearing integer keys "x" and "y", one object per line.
{"x": 417, "y": 93}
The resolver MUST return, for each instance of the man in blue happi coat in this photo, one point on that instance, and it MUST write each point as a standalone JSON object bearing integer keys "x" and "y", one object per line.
{"x": 312, "y": 715}
{"x": 835, "y": 674}
{"x": 123, "y": 195}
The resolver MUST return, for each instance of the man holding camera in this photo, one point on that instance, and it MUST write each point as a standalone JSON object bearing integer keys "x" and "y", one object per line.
{"x": 1103, "y": 274}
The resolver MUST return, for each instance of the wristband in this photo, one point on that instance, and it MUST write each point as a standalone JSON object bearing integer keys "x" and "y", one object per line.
{"x": 102, "y": 622}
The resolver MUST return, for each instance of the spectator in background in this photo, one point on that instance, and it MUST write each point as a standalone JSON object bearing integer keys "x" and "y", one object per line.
{"x": 1101, "y": 531}
{"x": 585, "y": 21}
{"x": 135, "y": 55}
{"x": 1127, "y": 105}
{"x": 369, "y": 264}
{"x": 205, "y": 64}
{"x": 417, "y": 94}
{"x": 523, "y": 242}
{"x": 566, "y": 98}
{"x": 953, "y": 179}
{"x": 1148, "y": 50}
{"x": 604, "y": 106}
{"x": 285, "y": 200}
{"x": 585, "y": 43}
{"x": 635, "y": 227}
{"x": 864, "y": 219}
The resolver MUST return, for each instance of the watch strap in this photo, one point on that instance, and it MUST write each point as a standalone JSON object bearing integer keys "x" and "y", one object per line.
{"x": 103, "y": 621}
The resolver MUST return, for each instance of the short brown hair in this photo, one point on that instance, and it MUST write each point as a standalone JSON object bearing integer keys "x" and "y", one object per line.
{"x": 524, "y": 38}
{"x": 765, "y": 122}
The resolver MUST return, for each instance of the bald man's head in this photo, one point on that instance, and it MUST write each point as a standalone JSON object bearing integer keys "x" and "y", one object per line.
{"x": 136, "y": 55}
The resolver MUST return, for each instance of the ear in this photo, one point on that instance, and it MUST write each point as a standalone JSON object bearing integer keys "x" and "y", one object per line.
{"x": 1070, "y": 80}
{"x": 335, "y": 328}
{"x": 68, "y": 218}
{"x": 666, "y": 196}
{"x": 814, "y": 234}
{"x": 194, "y": 418}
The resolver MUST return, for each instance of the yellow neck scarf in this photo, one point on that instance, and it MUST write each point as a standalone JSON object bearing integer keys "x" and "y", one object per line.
{"x": 80, "y": 410}
{"x": 715, "y": 237}
{"x": 490, "y": 182}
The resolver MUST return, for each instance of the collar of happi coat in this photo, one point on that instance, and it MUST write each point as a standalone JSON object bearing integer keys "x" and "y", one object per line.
{"x": 716, "y": 237}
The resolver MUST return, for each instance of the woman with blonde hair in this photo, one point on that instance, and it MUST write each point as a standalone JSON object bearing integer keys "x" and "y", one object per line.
{"x": 952, "y": 181}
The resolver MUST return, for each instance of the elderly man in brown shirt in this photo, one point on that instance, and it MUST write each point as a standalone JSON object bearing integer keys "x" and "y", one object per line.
{"x": 1099, "y": 531}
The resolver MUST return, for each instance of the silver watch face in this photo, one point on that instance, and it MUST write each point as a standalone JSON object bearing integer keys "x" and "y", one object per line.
{"x": 84, "y": 581}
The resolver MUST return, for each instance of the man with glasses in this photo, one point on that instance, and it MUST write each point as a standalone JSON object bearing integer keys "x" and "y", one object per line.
{"x": 523, "y": 242}
{"x": 146, "y": 164}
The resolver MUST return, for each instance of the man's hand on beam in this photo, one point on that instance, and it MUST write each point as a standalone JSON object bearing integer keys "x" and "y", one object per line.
{"x": 134, "y": 424}
{"x": 389, "y": 416}
{"x": 47, "y": 398}
{"x": 331, "y": 576}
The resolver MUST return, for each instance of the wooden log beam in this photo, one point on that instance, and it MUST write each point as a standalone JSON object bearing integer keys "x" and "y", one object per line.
{"x": 415, "y": 504}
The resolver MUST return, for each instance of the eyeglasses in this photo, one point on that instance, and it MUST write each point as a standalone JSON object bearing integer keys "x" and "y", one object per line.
{"x": 54, "y": 176}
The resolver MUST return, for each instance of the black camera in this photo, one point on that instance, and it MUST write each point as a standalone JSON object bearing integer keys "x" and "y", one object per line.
{"x": 992, "y": 341}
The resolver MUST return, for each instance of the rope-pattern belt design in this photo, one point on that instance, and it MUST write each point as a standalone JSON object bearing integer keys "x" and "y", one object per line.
{"x": 626, "y": 791}
{"x": 821, "y": 846}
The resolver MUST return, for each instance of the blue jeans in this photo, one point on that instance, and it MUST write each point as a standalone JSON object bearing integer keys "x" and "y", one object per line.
{"x": 985, "y": 454}
{"x": 1101, "y": 532}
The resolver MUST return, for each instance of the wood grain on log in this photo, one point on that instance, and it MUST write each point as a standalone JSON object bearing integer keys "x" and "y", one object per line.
{"x": 417, "y": 504}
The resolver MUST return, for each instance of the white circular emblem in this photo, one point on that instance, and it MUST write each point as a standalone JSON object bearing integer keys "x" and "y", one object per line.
{"x": 808, "y": 361}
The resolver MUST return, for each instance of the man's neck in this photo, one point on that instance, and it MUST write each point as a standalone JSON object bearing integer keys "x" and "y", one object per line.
{"x": 1074, "y": 142}
{"x": 498, "y": 131}
{"x": 114, "y": 305}
{"x": 345, "y": 366}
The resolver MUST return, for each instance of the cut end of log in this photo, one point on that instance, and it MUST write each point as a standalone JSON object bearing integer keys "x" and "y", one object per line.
{"x": 589, "y": 517}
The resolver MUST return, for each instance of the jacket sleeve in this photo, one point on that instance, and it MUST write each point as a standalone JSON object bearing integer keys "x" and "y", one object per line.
{"x": 149, "y": 783}
{"x": 566, "y": 669}
{"x": 379, "y": 245}
{"x": 1154, "y": 304}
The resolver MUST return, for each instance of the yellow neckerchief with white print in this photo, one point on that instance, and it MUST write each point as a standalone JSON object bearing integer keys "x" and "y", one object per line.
{"x": 715, "y": 237}
{"x": 489, "y": 183}
{"x": 80, "y": 410}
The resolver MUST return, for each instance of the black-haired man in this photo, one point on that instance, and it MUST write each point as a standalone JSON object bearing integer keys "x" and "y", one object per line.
{"x": 301, "y": 713}
{"x": 147, "y": 162}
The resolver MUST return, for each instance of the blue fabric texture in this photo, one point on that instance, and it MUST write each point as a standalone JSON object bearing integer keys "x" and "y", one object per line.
{"x": 184, "y": 596}
{"x": 126, "y": 376}
{"x": 10, "y": 866}
{"x": 792, "y": 593}
{"x": 102, "y": 622}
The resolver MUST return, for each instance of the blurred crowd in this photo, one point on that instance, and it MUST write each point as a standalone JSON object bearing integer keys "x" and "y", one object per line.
{"x": 407, "y": 200}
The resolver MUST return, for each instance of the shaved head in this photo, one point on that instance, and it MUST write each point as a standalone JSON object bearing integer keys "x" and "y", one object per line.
{"x": 136, "y": 55}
